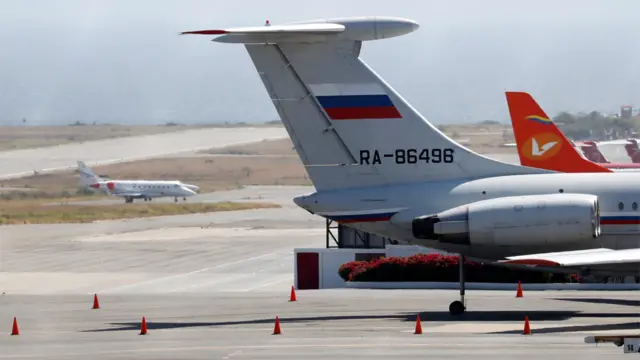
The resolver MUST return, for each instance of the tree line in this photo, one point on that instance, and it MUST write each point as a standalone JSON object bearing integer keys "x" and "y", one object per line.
{"x": 595, "y": 125}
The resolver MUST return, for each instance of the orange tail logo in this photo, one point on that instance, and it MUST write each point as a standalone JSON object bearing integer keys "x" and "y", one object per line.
{"x": 540, "y": 143}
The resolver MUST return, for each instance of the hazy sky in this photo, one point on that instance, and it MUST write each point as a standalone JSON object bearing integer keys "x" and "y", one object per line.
{"x": 121, "y": 61}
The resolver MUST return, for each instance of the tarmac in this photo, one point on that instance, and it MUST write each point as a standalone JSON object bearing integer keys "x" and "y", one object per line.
{"x": 18, "y": 163}
{"x": 211, "y": 285}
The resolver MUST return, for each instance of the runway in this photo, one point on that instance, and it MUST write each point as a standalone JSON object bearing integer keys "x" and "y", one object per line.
{"x": 19, "y": 163}
{"x": 211, "y": 285}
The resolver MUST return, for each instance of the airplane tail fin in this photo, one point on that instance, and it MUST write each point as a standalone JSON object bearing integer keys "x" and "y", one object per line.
{"x": 593, "y": 153}
{"x": 632, "y": 150}
{"x": 349, "y": 127}
{"x": 87, "y": 176}
{"x": 539, "y": 141}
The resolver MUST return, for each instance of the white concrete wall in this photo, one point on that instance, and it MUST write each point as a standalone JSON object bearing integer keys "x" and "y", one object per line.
{"x": 330, "y": 262}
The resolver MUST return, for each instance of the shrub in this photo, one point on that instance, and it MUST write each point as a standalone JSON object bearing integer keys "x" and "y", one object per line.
{"x": 442, "y": 268}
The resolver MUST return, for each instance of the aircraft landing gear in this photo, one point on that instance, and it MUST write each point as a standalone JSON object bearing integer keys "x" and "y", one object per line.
{"x": 184, "y": 198}
{"x": 458, "y": 307}
{"x": 176, "y": 199}
{"x": 128, "y": 200}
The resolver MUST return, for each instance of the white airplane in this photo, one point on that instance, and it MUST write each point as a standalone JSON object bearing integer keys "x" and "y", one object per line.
{"x": 379, "y": 166}
{"x": 135, "y": 189}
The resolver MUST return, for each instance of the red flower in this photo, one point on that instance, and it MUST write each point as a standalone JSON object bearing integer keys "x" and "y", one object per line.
{"x": 438, "y": 267}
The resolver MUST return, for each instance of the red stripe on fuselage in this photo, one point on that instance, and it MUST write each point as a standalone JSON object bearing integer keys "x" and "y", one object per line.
{"x": 358, "y": 113}
{"x": 534, "y": 262}
{"x": 620, "y": 222}
{"x": 363, "y": 219}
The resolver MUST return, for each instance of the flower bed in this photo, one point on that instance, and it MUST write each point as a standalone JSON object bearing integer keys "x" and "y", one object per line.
{"x": 442, "y": 268}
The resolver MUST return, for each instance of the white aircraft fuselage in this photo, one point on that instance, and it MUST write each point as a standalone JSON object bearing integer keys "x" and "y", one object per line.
{"x": 143, "y": 189}
{"x": 387, "y": 210}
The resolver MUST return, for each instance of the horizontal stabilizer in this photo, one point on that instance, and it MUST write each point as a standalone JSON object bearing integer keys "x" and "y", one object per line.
{"x": 342, "y": 29}
{"x": 275, "y": 29}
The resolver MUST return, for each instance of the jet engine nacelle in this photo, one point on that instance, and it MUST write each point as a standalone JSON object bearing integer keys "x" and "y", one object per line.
{"x": 530, "y": 220}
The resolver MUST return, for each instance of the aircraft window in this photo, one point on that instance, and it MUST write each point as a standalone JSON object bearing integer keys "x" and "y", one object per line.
{"x": 620, "y": 206}
{"x": 634, "y": 206}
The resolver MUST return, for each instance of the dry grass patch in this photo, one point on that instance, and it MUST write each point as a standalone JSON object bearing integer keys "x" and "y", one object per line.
{"x": 35, "y": 212}
{"x": 215, "y": 173}
{"x": 480, "y": 138}
{"x": 210, "y": 173}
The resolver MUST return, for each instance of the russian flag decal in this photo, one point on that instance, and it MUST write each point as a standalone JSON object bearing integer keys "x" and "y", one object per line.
{"x": 355, "y": 101}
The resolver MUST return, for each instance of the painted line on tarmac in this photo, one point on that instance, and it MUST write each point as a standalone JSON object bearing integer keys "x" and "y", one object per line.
{"x": 226, "y": 278}
{"x": 288, "y": 278}
{"x": 152, "y": 281}
{"x": 156, "y": 348}
{"x": 375, "y": 343}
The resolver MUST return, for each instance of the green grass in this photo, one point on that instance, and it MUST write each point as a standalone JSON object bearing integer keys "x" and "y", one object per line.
{"x": 35, "y": 212}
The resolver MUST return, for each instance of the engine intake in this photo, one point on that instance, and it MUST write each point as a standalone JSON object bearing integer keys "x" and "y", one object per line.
{"x": 530, "y": 220}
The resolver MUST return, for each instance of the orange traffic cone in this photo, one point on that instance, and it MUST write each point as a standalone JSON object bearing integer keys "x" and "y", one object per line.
{"x": 292, "y": 297}
{"x": 527, "y": 329}
{"x": 143, "y": 326}
{"x": 15, "y": 330}
{"x": 418, "y": 326}
{"x": 519, "y": 293}
{"x": 96, "y": 304}
{"x": 276, "y": 329}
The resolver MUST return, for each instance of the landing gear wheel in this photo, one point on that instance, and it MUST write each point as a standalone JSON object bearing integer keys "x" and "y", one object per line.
{"x": 456, "y": 308}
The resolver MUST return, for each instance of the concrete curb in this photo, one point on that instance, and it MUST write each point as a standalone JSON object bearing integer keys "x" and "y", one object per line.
{"x": 487, "y": 286}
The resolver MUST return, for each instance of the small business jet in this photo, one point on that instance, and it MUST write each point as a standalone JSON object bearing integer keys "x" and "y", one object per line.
{"x": 379, "y": 166}
{"x": 542, "y": 145}
{"x": 135, "y": 189}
